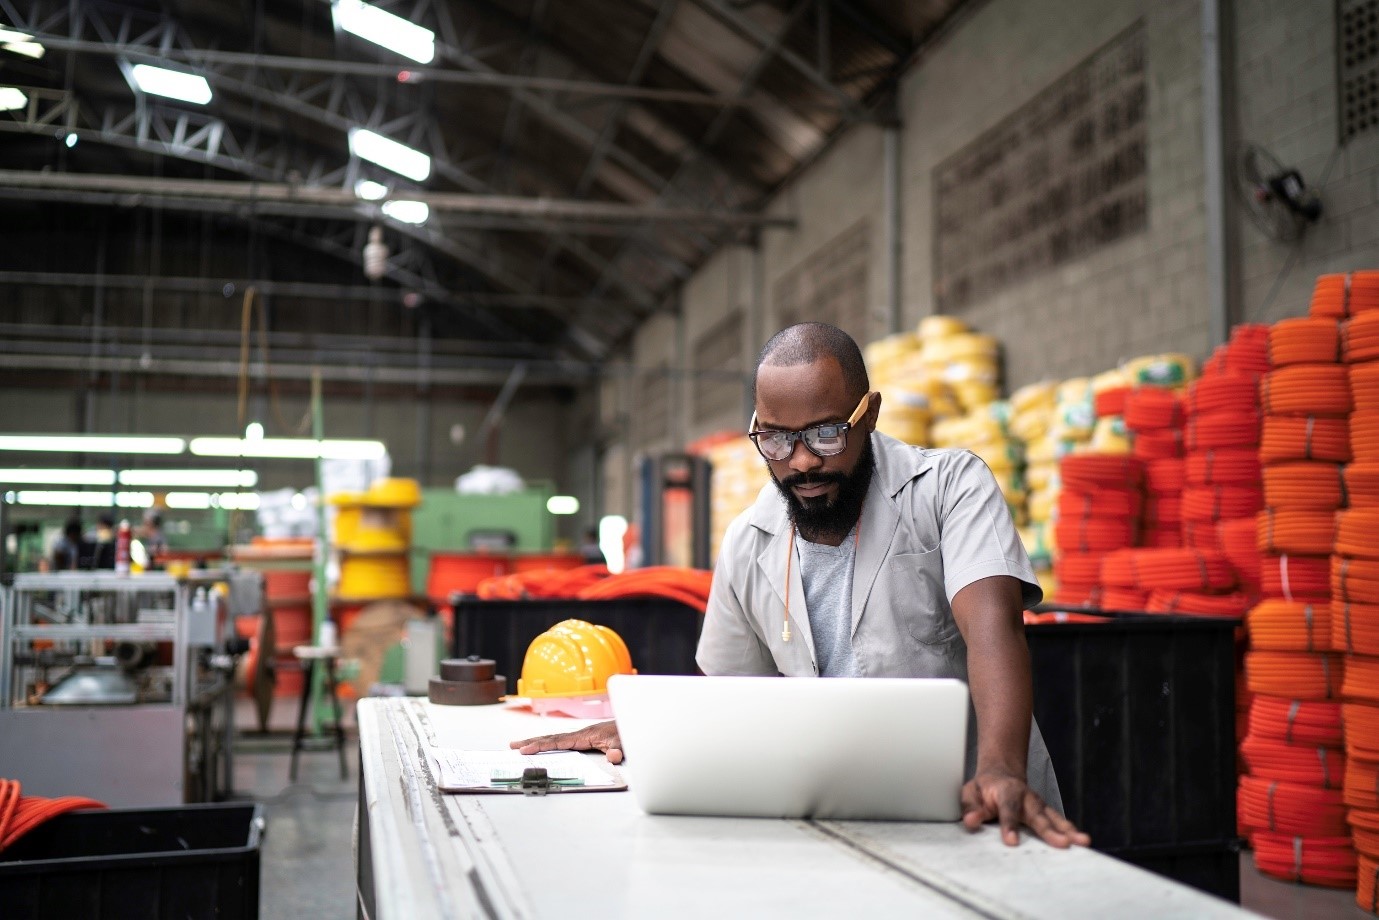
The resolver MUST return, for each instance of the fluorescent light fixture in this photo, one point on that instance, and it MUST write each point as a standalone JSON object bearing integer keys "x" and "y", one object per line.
{"x": 12, "y": 98}
{"x": 236, "y": 501}
{"x": 370, "y": 190}
{"x": 383, "y": 28}
{"x": 174, "y": 84}
{"x": 28, "y": 49}
{"x": 213, "y": 479}
{"x": 10, "y": 35}
{"x": 92, "y": 443}
{"x": 86, "y": 499}
{"x": 388, "y": 153}
{"x": 288, "y": 448}
{"x": 253, "y": 431}
{"x": 194, "y": 501}
{"x": 409, "y": 212}
{"x": 58, "y": 477}
{"x": 562, "y": 504}
{"x": 70, "y": 140}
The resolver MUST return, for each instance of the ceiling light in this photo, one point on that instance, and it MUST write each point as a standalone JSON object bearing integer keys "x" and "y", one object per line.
{"x": 409, "y": 212}
{"x": 383, "y": 28}
{"x": 28, "y": 49}
{"x": 289, "y": 448}
{"x": 562, "y": 504}
{"x": 71, "y": 139}
{"x": 214, "y": 479}
{"x": 388, "y": 153}
{"x": 236, "y": 501}
{"x": 10, "y": 35}
{"x": 12, "y": 98}
{"x": 59, "y": 477}
{"x": 253, "y": 431}
{"x": 370, "y": 190}
{"x": 86, "y": 499}
{"x": 174, "y": 84}
{"x": 92, "y": 443}
{"x": 188, "y": 500}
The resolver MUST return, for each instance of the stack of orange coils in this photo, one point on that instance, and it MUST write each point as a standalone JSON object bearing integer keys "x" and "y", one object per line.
{"x": 1364, "y": 386}
{"x": 1154, "y": 417}
{"x": 1361, "y": 338}
{"x": 1305, "y": 485}
{"x": 1347, "y": 294}
{"x": 1169, "y": 580}
{"x": 1362, "y": 485}
{"x": 1305, "y": 340}
{"x": 1111, "y": 401}
{"x": 1098, "y": 511}
{"x": 1281, "y": 625}
{"x": 1199, "y": 603}
{"x": 1297, "y": 721}
{"x": 1296, "y": 577}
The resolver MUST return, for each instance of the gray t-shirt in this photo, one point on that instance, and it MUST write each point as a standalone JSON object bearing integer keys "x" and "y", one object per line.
{"x": 826, "y": 573}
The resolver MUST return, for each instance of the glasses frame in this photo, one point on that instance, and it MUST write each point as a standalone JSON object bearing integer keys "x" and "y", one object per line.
{"x": 798, "y": 436}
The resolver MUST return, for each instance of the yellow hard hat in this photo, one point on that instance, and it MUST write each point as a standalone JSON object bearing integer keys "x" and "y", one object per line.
{"x": 573, "y": 658}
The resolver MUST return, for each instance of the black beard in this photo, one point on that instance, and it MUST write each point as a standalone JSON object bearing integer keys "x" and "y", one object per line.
{"x": 823, "y": 516}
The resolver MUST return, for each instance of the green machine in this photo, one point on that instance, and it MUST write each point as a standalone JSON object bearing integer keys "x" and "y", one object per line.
{"x": 447, "y": 521}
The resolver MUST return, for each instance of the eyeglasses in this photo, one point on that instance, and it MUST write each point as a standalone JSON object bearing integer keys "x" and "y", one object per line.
{"x": 826, "y": 440}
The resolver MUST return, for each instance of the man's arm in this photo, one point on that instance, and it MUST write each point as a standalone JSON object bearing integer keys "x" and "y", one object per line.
{"x": 987, "y": 612}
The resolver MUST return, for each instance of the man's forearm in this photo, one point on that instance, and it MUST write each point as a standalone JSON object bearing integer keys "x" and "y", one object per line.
{"x": 998, "y": 671}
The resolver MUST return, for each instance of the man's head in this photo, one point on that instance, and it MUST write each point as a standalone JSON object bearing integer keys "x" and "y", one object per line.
{"x": 807, "y": 375}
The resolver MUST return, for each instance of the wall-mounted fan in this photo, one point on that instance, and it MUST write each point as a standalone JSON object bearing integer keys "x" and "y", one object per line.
{"x": 1275, "y": 196}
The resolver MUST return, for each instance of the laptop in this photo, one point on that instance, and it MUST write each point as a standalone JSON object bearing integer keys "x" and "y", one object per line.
{"x": 841, "y": 748}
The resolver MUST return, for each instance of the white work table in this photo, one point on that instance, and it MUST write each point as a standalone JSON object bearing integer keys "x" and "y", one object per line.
{"x": 427, "y": 854}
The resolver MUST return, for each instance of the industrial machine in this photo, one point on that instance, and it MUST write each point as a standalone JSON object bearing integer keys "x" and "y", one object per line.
{"x": 119, "y": 687}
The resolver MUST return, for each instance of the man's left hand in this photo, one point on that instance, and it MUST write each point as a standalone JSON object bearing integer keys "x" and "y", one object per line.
{"x": 994, "y": 795}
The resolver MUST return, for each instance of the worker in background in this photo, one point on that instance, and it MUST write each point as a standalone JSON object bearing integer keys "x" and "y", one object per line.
{"x": 102, "y": 536}
{"x": 67, "y": 548}
{"x": 589, "y": 549}
{"x": 151, "y": 535}
{"x": 904, "y": 562}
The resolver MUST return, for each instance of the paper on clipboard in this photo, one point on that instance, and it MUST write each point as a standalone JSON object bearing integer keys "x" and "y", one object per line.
{"x": 473, "y": 771}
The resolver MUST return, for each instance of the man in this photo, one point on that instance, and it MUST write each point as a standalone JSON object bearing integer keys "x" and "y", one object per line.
{"x": 883, "y": 560}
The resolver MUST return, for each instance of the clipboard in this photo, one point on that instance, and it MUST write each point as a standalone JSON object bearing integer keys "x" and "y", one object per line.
{"x": 508, "y": 772}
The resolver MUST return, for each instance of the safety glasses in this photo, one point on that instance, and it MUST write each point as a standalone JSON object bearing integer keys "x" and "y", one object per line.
{"x": 826, "y": 440}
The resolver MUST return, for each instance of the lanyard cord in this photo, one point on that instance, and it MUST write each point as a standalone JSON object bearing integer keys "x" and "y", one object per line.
{"x": 789, "y": 557}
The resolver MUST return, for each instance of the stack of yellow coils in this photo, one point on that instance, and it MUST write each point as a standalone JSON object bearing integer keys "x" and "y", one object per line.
{"x": 373, "y": 534}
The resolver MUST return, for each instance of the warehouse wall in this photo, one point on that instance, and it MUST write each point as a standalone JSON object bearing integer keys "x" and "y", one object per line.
{"x": 1286, "y": 85}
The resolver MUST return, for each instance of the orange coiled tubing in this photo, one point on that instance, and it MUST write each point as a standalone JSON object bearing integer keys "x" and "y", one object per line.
{"x": 552, "y": 583}
{"x": 1280, "y": 807}
{"x": 1247, "y": 352}
{"x": 1367, "y": 883}
{"x": 1310, "y": 438}
{"x": 1166, "y": 476}
{"x": 1290, "y": 626}
{"x": 1356, "y": 532}
{"x": 1163, "y": 509}
{"x": 1305, "y": 340}
{"x": 1361, "y": 787}
{"x": 1308, "y": 533}
{"x": 1364, "y": 436}
{"x": 1093, "y": 471}
{"x": 1206, "y": 535}
{"x": 1078, "y": 571}
{"x": 1216, "y": 503}
{"x": 1362, "y": 728}
{"x": 1355, "y": 580}
{"x": 1223, "y": 393}
{"x": 1164, "y": 536}
{"x": 1111, "y": 401}
{"x": 1089, "y": 535}
{"x": 1355, "y": 629}
{"x": 1220, "y": 430}
{"x": 1360, "y": 338}
{"x": 1196, "y": 603}
{"x": 1296, "y": 721}
{"x": 1315, "y": 765}
{"x": 1328, "y": 861}
{"x": 1237, "y": 542}
{"x": 1151, "y": 444}
{"x": 1168, "y": 570}
{"x": 1361, "y": 678}
{"x": 1299, "y": 675}
{"x": 1149, "y": 408}
{"x": 1124, "y": 600}
{"x": 688, "y": 586}
{"x": 1362, "y": 485}
{"x": 1305, "y": 485}
{"x": 1077, "y": 595}
{"x": 1307, "y": 389}
{"x": 1294, "y": 577}
{"x": 21, "y": 813}
{"x": 1364, "y": 385}
{"x": 1231, "y": 467}
{"x": 1345, "y": 294}
{"x": 1366, "y": 839}
{"x": 1107, "y": 503}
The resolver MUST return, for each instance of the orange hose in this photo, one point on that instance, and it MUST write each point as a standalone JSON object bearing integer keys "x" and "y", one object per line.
{"x": 20, "y": 814}
{"x": 1093, "y": 471}
{"x": 1195, "y": 603}
{"x": 1206, "y": 535}
{"x": 1355, "y": 532}
{"x": 1215, "y": 503}
{"x": 688, "y": 586}
{"x": 1167, "y": 475}
{"x": 552, "y": 583}
{"x": 1219, "y": 430}
{"x": 1362, "y": 485}
{"x": 1111, "y": 401}
{"x": 1364, "y": 436}
{"x": 1362, "y": 783}
{"x": 1311, "y": 438}
{"x": 1163, "y": 509}
{"x": 1078, "y": 569}
{"x": 1305, "y": 340}
{"x": 1366, "y": 839}
{"x": 1126, "y": 600}
{"x": 1087, "y": 535}
{"x": 1223, "y": 393}
{"x": 1307, "y": 389}
{"x": 1362, "y": 729}
{"x": 1165, "y": 536}
{"x": 1149, "y": 408}
{"x": 1232, "y": 467}
{"x": 1308, "y": 533}
{"x": 1360, "y": 338}
{"x": 1281, "y": 807}
{"x": 1328, "y": 861}
{"x": 1296, "y": 721}
{"x": 1355, "y": 629}
{"x": 1305, "y": 486}
{"x": 1167, "y": 569}
{"x": 1077, "y": 595}
{"x": 1345, "y": 294}
{"x": 1157, "y": 444}
{"x": 1290, "y": 626}
{"x": 1364, "y": 385}
{"x": 1367, "y": 883}
{"x": 1294, "y": 577}
{"x": 1237, "y": 541}
{"x": 1355, "y": 580}
{"x": 1112, "y": 503}
{"x": 1361, "y": 678}
{"x": 1315, "y": 765}
{"x": 1300, "y": 675}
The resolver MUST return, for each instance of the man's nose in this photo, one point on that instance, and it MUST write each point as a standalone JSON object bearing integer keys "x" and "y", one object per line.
{"x": 804, "y": 460}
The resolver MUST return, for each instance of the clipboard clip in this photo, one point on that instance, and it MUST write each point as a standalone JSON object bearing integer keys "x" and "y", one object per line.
{"x": 536, "y": 781}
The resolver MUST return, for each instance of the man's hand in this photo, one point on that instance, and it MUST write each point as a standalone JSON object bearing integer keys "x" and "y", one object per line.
{"x": 600, "y": 737}
{"x": 992, "y": 795}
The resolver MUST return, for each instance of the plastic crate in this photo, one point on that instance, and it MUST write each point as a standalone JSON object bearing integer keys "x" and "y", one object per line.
{"x": 192, "y": 861}
{"x": 1138, "y": 714}
{"x": 661, "y": 635}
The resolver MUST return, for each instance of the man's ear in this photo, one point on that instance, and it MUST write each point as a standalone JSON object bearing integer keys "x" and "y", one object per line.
{"x": 874, "y": 411}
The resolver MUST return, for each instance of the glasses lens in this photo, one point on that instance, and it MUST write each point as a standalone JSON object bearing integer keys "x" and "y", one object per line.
{"x": 826, "y": 440}
{"x": 774, "y": 445}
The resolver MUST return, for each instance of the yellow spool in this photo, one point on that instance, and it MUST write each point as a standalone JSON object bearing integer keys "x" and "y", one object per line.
{"x": 374, "y": 577}
{"x": 932, "y": 327}
{"x": 1034, "y": 397}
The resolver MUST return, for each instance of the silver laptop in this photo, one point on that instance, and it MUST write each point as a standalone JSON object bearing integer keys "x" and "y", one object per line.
{"x": 865, "y": 748}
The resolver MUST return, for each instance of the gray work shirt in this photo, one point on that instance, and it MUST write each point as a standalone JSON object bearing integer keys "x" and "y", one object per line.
{"x": 933, "y": 522}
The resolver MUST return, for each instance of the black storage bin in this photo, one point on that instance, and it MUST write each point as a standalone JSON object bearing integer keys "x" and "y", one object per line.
{"x": 661, "y": 635}
{"x": 1139, "y": 717}
{"x": 180, "y": 863}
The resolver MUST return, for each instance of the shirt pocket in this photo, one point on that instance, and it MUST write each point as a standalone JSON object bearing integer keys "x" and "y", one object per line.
{"x": 918, "y": 598}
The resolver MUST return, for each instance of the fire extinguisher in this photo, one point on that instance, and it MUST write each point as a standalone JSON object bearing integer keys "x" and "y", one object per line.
{"x": 122, "y": 539}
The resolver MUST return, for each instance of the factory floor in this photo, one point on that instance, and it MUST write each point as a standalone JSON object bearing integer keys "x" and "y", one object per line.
{"x": 307, "y": 858}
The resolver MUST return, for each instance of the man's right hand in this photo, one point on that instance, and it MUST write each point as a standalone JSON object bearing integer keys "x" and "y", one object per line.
{"x": 602, "y": 736}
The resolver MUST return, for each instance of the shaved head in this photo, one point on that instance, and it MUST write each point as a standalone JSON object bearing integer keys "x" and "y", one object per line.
{"x": 805, "y": 343}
